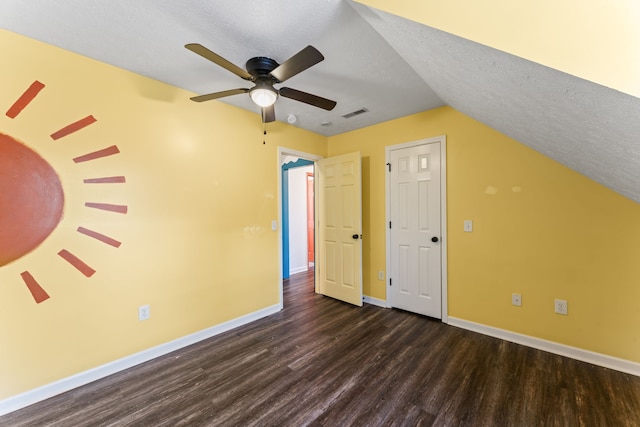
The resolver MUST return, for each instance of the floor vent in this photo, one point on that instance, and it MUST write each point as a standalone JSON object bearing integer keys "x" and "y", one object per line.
{"x": 355, "y": 113}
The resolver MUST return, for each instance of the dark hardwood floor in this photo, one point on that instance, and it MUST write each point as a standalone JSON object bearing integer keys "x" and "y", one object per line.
{"x": 321, "y": 362}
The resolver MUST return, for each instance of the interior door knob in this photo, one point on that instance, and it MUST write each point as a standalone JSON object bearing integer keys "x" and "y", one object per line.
{"x": 434, "y": 239}
{"x": 355, "y": 237}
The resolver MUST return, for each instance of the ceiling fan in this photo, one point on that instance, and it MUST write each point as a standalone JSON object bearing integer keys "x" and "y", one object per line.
{"x": 264, "y": 73}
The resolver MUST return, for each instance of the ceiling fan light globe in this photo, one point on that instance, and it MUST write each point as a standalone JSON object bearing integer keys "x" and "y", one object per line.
{"x": 263, "y": 97}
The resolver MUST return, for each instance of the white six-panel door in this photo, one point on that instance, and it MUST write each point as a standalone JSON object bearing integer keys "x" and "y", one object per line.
{"x": 415, "y": 276}
{"x": 339, "y": 227}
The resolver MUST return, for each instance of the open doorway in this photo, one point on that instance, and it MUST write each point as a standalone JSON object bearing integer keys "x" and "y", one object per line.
{"x": 297, "y": 217}
{"x": 296, "y": 191}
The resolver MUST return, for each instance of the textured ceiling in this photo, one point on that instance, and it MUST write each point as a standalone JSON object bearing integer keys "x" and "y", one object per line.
{"x": 391, "y": 66}
{"x": 587, "y": 127}
{"x": 360, "y": 69}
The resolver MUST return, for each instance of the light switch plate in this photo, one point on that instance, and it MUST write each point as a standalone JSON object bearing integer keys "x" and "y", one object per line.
{"x": 468, "y": 225}
{"x": 144, "y": 312}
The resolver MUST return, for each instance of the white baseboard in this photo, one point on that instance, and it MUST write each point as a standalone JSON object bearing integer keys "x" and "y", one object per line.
{"x": 594, "y": 358}
{"x": 375, "y": 301}
{"x": 30, "y": 397}
{"x": 297, "y": 270}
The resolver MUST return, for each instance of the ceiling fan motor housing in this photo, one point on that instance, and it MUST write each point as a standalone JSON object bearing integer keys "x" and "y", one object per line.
{"x": 260, "y": 67}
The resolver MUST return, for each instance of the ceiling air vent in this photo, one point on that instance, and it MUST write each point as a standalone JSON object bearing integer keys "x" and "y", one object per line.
{"x": 355, "y": 113}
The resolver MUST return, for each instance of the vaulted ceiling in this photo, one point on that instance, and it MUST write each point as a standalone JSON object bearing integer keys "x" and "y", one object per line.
{"x": 389, "y": 65}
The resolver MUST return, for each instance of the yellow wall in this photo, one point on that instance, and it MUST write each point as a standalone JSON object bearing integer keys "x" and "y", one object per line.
{"x": 594, "y": 40}
{"x": 197, "y": 243}
{"x": 540, "y": 229}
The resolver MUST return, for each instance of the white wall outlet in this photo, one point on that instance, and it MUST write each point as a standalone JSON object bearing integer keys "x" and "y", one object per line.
{"x": 144, "y": 312}
{"x": 561, "y": 307}
{"x": 516, "y": 299}
{"x": 274, "y": 225}
{"x": 468, "y": 226}
{"x": 380, "y": 275}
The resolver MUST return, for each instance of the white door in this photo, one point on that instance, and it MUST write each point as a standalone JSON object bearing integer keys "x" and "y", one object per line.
{"x": 339, "y": 228}
{"x": 415, "y": 229}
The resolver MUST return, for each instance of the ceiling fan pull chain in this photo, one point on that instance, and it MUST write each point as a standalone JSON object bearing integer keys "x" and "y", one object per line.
{"x": 264, "y": 125}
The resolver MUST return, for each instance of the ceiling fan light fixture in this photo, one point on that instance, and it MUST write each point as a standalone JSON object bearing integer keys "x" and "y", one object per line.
{"x": 263, "y": 95}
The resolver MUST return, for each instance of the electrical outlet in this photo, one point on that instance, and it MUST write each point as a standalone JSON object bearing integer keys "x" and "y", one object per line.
{"x": 380, "y": 275}
{"x": 144, "y": 312}
{"x": 516, "y": 299}
{"x": 561, "y": 307}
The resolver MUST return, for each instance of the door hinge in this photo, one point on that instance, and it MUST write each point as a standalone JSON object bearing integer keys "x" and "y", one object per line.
{"x": 390, "y": 282}
{"x": 389, "y": 165}
{"x": 389, "y": 224}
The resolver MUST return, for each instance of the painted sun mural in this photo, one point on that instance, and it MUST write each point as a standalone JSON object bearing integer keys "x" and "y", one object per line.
{"x": 32, "y": 196}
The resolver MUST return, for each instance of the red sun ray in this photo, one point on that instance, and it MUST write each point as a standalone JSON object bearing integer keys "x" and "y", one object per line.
{"x": 105, "y": 180}
{"x": 77, "y": 263}
{"x": 36, "y": 290}
{"x": 73, "y": 127}
{"x": 109, "y": 151}
{"x": 101, "y": 237}
{"x": 107, "y": 207}
{"x": 25, "y": 99}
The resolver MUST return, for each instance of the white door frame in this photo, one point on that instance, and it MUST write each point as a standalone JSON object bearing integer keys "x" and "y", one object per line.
{"x": 282, "y": 153}
{"x": 443, "y": 212}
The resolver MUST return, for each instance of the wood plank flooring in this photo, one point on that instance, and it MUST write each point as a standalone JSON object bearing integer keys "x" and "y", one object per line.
{"x": 320, "y": 362}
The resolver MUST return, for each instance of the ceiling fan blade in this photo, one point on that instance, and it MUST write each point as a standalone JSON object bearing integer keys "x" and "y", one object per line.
{"x": 217, "y": 59}
{"x": 306, "y": 58}
{"x": 268, "y": 114}
{"x": 216, "y": 95}
{"x": 308, "y": 98}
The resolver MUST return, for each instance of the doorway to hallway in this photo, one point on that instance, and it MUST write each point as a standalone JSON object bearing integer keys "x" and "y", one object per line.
{"x": 297, "y": 216}
{"x": 286, "y": 232}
